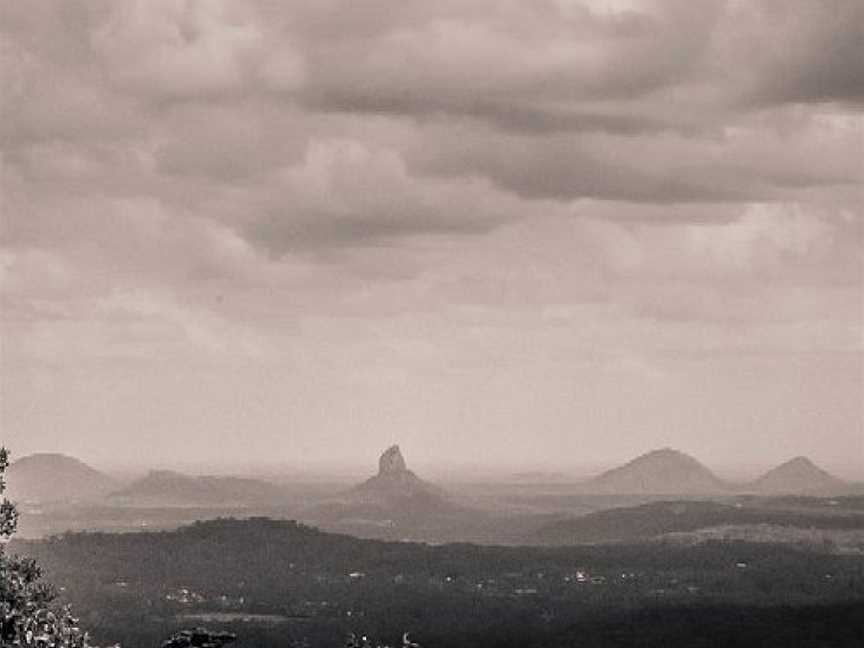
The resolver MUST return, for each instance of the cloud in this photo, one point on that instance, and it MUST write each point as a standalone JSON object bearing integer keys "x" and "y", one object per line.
{"x": 345, "y": 191}
{"x": 337, "y": 153}
{"x": 794, "y": 52}
{"x": 178, "y": 48}
{"x": 44, "y": 101}
{"x": 764, "y": 234}
{"x": 547, "y": 67}
{"x": 758, "y": 241}
{"x": 228, "y": 144}
{"x": 518, "y": 68}
{"x": 566, "y": 169}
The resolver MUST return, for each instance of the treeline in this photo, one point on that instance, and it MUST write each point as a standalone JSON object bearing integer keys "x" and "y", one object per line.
{"x": 138, "y": 588}
{"x": 659, "y": 518}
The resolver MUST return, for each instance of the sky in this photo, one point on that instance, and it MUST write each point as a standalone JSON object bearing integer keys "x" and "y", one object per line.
{"x": 546, "y": 233}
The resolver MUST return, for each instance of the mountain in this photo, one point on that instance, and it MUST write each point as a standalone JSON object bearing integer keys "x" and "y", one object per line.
{"x": 168, "y": 488}
{"x": 48, "y": 477}
{"x": 393, "y": 503}
{"x": 395, "y": 485}
{"x": 797, "y": 476}
{"x": 660, "y": 472}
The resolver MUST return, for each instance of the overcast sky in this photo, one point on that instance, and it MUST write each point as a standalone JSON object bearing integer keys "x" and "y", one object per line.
{"x": 545, "y": 232}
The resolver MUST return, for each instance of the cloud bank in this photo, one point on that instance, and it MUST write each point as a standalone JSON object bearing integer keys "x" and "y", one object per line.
{"x": 434, "y": 186}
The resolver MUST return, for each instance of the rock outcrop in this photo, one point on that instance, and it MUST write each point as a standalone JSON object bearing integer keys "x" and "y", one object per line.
{"x": 393, "y": 496}
{"x": 391, "y": 461}
{"x": 394, "y": 480}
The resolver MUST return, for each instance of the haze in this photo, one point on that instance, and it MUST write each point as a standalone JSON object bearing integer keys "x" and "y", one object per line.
{"x": 500, "y": 234}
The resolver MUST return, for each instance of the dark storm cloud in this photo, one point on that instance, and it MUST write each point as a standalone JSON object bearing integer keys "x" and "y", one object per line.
{"x": 551, "y": 168}
{"x": 200, "y": 87}
{"x": 280, "y": 234}
{"x": 508, "y": 116}
{"x": 517, "y": 67}
{"x": 310, "y": 124}
{"x": 806, "y": 51}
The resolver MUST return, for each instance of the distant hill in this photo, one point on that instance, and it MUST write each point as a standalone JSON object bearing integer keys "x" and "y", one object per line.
{"x": 660, "y": 472}
{"x": 798, "y": 476}
{"x": 53, "y": 477}
{"x": 395, "y": 498}
{"x": 167, "y": 488}
{"x": 395, "y": 485}
{"x": 648, "y": 521}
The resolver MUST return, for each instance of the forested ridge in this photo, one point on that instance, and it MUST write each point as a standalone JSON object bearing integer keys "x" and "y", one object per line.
{"x": 272, "y": 581}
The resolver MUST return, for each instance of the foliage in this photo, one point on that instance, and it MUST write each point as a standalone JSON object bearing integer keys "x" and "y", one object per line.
{"x": 199, "y": 638}
{"x": 28, "y": 616}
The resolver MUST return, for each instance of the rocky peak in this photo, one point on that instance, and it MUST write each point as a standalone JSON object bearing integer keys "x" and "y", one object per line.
{"x": 392, "y": 461}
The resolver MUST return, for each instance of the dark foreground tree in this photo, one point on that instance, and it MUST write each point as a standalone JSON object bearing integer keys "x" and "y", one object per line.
{"x": 28, "y": 614}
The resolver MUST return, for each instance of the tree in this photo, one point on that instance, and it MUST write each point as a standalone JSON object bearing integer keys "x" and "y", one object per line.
{"x": 199, "y": 638}
{"x": 28, "y": 613}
